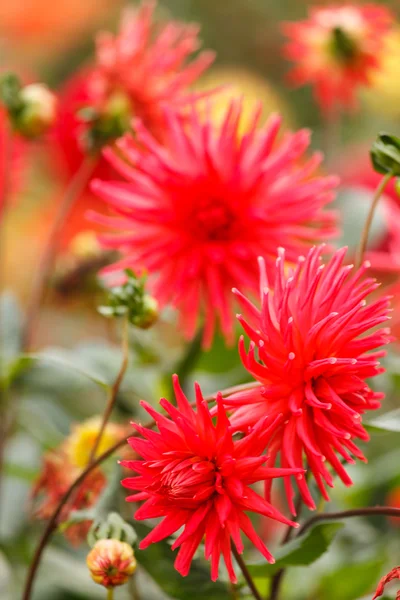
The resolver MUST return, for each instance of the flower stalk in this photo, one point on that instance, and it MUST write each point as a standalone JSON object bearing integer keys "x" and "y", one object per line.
{"x": 72, "y": 193}
{"x": 246, "y": 573}
{"x": 367, "y": 227}
{"x": 115, "y": 388}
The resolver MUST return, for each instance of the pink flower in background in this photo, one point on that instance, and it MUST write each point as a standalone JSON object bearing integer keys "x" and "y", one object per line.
{"x": 317, "y": 343}
{"x": 196, "y": 213}
{"x": 336, "y": 49}
{"x": 194, "y": 475}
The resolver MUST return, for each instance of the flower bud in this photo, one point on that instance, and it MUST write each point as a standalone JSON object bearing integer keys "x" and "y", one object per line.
{"x": 385, "y": 154}
{"x": 111, "y": 562}
{"x": 38, "y": 110}
{"x": 106, "y": 123}
{"x": 131, "y": 300}
{"x": 149, "y": 313}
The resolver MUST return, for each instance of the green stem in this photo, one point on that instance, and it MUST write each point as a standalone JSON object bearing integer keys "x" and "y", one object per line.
{"x": 187, "y": 363}
{"x": 367, "y": 227}
{"x": 110, "y": 593}
{"x": 246, "y": 573}
{"x": 72, "y": 194}
{"x": 114, "y": 390}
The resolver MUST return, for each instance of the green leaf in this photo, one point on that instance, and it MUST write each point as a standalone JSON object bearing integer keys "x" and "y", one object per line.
{"x": 388, "y": 422}
{"x": 158, "y": 561}
{"x": 65, "y": 363}
{"x": 301, "y": 551}
{"x": 351, "y": 581}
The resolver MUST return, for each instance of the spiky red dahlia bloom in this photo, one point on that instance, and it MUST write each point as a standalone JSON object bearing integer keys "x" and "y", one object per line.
{"x": 317, "y": 343}
{"x": 336, "y": 49}
{"x": 194, "y": 475}
{"x": 197, "y": 214}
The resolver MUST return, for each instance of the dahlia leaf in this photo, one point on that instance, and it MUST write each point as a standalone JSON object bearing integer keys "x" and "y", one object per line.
{"x": 62, "y": 362}
{"x": 388, "y": 422}
{"x": 302, "y": 551}
{"x": 351, "y": 581}
{"x": 158, "y": 561}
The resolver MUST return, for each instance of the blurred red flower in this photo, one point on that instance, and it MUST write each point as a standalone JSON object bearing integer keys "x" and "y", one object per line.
{"x": 314, "y": 334}
{"x": 198, "y": 213}
{"x": 12, "y": 157}
{"x": 147, "y": 65}
{"x": 336, "y": 49}
{"x": 196, "y": 476}
{"x": 56, "y": 476}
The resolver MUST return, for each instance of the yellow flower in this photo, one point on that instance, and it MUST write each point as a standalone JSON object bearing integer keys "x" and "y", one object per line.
{"x": 111, "y": 562}
{"x": 242, "y": 83}
{"x": 80, "y": 443}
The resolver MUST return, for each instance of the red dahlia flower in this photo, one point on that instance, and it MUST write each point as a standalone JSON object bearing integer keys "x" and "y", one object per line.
{"x": 314, "y": 335}
{"x": 144, "y": 67}
{"x": 146, "y": 63}
{"x": 196, "y": 476}
{"x": 198, "y": 213}
{"x": 336, "y": 49}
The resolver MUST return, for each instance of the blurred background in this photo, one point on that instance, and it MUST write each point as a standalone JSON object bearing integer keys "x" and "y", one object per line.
{"x": 47, "y": 40}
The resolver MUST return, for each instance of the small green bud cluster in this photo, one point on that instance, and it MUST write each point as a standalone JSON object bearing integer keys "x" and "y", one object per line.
{"x": 131, "y": 300}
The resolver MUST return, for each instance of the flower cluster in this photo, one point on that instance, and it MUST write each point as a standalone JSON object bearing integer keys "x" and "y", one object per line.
{"x": 195, "y": 475}
{"x": 337, "y": 49}
{"x": 317, "y": 341}
{"x": 197, "y": 212}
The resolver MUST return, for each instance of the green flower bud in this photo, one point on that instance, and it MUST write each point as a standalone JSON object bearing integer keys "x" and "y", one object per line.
{"x": 38, "y": 110}
{"x": 131, "y": 300}
{"x": 385, "y": 154}
{"x": 32, "y": 109}
{"x": 106, "y": 124}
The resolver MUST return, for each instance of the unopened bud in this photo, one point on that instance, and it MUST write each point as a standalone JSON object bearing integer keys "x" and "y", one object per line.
{"x": 149, "y": 313}
{"x": 385, "y": 154}
{"x": 106, "y": 123}
{"x": 111, "y": 563}
{"x": 38, "y": 112}
{"x": 130, "y": 300}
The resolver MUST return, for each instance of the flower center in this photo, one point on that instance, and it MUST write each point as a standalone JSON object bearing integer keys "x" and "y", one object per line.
{"x": 343, "y": 46}
{"x": 212, "y": 219}
{"x": 188, "y": 480}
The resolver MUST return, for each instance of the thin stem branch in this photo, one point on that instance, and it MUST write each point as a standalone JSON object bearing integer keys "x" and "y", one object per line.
{"x": 370, "y": 511}
{"x": 52, "y": 522}
{"x": 246, "y": 573}
{"x": 5, "y": 171}
{"x": 72, "y": 193}
{"x": 367, "y": 227}
{"x": 114, "y": 389}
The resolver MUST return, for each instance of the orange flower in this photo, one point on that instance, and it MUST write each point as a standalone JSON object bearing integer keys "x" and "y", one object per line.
{"x": 337, "y": 49}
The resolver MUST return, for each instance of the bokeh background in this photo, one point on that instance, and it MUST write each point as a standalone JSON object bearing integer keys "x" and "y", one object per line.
{"x": 47, "y": 40}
